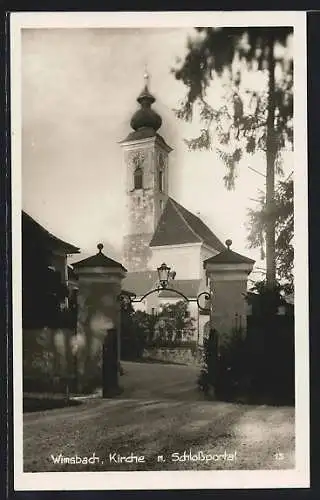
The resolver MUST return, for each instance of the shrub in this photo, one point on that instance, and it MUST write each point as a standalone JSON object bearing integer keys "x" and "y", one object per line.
{"x": 224, "y": 364}
{"x": 136, "y": 331}
{"x": 174, "y": 324}
{"x": 172, "y": 327}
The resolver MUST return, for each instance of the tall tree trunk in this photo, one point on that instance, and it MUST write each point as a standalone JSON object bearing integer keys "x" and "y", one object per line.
{"x": 270, "y": 177}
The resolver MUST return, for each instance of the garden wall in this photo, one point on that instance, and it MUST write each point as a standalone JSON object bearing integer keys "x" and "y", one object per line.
{"x": 180, "y": 355}
{"x": 48, "y": 362}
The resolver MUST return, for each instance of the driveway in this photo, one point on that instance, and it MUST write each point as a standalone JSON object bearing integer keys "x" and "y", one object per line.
{"x": 159, "y": 414}
{"x": 160, "y": 381}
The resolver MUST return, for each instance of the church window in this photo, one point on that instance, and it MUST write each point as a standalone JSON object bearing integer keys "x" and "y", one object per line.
{"x": 138, "y": 174}
{"x": 160, "y": 180}
{"x": 161, "y": 205}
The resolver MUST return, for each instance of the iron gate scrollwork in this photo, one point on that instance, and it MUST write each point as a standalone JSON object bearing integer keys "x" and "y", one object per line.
{"x": 165, "y": 274}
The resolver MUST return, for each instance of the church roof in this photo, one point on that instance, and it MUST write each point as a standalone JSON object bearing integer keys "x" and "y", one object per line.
{"x": 140, "y": 282}
{"x": 189, "y": 288}
{"x": 33, "y": 231}
{"x": 177, "y": 226}
{"x": 229, "y": 257}
{"x": 146, "y": 133}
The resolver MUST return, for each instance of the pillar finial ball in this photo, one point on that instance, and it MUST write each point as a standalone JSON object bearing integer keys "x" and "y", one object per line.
{"x": 228, "y": 244}
{"x": 100, "y": 247}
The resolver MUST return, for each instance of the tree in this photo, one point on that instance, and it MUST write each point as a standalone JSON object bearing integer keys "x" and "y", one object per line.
{"x": 248, "y": 121}
{"x": 136, "y": 329}
{"x": 284, "y": 228}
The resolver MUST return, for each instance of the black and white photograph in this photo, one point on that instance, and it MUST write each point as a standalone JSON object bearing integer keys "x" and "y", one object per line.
{"x": 160, "y": 250}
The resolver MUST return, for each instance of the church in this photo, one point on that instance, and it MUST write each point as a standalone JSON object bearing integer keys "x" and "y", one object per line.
{"x": 159, "y": 229}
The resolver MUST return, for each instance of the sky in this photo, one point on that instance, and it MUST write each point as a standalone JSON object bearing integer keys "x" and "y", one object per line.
{"x": 79, "y": 90}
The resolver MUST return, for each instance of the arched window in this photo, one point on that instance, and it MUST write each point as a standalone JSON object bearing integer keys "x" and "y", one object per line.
{"x": 138, "y": 174}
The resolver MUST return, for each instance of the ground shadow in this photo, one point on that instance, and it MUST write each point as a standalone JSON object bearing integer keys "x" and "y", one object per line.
{"x": 33, "y": 404}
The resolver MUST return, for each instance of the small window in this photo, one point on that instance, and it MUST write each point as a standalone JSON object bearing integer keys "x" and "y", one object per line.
{"x": 161, "y": 205}
{"x": 160, "y": 181}
{"x": 138, "y": 174}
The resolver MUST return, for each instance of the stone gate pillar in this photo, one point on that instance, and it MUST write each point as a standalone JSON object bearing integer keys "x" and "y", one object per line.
{"x": 228, "y": 274}
{"x": 98, "y": 321}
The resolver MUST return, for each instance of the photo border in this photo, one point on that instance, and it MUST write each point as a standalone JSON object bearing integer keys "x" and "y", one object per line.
{"x": 298, "y": 477}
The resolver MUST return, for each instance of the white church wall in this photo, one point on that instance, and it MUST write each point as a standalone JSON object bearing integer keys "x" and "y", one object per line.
{"x": 150, "y": 304}
{"x": 183, "y": 259}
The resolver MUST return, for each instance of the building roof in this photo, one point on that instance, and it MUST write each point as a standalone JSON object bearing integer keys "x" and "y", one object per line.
{"x": 189, "y": 288}
{"x": 31, "y": 229}
{"x": 141, "y": 282}
{"x": 146, "y": 133}
{"x": 98, "y": 260}
{"x": 177, "y": 226}
{"x": 228, "y": 257}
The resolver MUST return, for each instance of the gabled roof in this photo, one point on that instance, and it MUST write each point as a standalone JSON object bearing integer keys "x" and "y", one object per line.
{"x": 177, "y": 226}
{"x": 33, "y": 231}
{"x": 146, "y": 133}
{"x": 228, "y": 257}
{"x": 98, "y": 260}
{"x": 140, "y": 282}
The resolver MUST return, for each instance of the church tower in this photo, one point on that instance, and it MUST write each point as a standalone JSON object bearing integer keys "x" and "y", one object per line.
{"x": 146, "y": 161}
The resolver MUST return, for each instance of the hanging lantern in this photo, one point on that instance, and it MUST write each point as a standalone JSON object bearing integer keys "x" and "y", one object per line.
{"x": 163, "y": 273}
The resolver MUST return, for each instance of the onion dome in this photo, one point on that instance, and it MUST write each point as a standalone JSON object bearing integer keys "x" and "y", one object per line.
{"x": 146, "y": 117}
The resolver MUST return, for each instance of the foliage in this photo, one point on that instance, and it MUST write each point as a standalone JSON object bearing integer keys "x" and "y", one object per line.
{"x": 256, "y": 368}
{"x": 144, "y": 325}
{"x": 237, "y": 366}
{"x": 136, "y": 331}
{"x": 43, "y": 294}
{"x": 264, "y": 300}
{"x": 171, "y": 327}
{"x": 227, "y": 53}
{"x": 224, "y": 368}
{"x": 43, "y": 368}
{"x": 284, "y": 217}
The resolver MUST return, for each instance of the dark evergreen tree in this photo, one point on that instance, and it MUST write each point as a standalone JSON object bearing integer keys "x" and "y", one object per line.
{"x": 248, "y": 122}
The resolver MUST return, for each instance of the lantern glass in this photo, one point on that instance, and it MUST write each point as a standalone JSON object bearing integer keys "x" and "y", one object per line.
{"x": 163, "y": 273}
